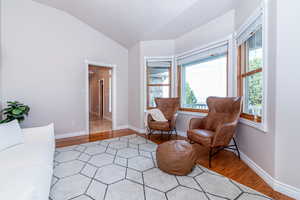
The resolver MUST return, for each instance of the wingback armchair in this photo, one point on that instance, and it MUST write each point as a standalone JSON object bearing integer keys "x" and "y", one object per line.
{"x": 169, "y": 107}
{"x": 217, "y": 129}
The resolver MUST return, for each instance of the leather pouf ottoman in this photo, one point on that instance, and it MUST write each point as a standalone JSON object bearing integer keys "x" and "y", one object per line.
{"x": 176, "y": 157}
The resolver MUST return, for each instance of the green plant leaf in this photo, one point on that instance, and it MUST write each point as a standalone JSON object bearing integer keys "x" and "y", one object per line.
{"x": 15, "y": 110}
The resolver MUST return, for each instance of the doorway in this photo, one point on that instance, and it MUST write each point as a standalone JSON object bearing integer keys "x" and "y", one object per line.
{"x": 100, "y": 99}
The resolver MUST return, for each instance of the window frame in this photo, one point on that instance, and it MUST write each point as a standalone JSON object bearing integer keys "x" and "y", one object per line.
{"x": 179, "y": 85}
{"x": 242, "y": 74}
{"x": 148, "y": 84}
{"x": 263, "y": 11}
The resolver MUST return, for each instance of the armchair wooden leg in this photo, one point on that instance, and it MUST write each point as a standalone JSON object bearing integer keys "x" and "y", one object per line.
{"x": 237, "y": 149}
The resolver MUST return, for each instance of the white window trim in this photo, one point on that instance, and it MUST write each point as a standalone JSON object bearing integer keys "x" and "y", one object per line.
{"x": 156, "y": 58}
{"x": 262, "y": 9}
{"x": 174, "y": 83}
{"x": 230, "y": 70}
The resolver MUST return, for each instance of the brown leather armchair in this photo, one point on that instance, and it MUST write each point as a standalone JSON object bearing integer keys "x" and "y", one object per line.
{"x": 217, "y": 129}
{"x": 169, "y": 107}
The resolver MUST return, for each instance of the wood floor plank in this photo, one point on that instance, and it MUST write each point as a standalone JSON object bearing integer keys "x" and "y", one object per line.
{"x": 225, "y": 163}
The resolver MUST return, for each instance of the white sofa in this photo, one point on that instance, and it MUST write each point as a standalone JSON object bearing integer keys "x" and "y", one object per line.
{"x": 26, "y": 169}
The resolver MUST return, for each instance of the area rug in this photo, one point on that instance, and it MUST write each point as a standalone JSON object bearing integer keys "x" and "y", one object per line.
{"x": 125, "y": 168}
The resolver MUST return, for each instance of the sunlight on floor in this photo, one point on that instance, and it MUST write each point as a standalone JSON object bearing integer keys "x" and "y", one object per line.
{"x": 100, "y": 125}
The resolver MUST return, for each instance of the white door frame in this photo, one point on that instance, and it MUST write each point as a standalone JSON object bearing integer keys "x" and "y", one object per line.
{"x": 114, "y": 92}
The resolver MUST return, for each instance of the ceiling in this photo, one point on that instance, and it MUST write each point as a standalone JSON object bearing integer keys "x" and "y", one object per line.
{"x": 128, "y": 22}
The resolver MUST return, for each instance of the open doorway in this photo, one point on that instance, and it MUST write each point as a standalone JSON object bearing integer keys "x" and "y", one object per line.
{"x": 100, "y": 99}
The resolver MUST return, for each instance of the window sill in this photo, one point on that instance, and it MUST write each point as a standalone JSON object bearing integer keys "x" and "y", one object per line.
{"x": 257, "y": 125}
{"x": 201, "y": 114}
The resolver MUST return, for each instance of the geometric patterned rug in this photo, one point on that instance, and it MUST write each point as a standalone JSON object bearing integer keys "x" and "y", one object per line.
{"x": 124, "y": 168}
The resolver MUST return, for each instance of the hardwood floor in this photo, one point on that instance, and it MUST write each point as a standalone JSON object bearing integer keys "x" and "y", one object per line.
{"x": 100, "y": 125}
{"x": 225, "y": 163}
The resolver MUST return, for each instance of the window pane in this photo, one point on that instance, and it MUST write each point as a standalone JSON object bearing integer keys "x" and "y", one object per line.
{"x": 203, "y": 79}
{"x": 158, "y": 75}
{"x": 254, "y": 51}
{"x": 158, "y": 91}
{"x": 253, "y": 94}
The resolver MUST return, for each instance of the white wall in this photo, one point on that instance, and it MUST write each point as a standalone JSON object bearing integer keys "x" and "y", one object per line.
{"x": 43, "y": 53}
{"x": 244, "y": 9}
{"x": 203, "y": 35}
{"x": 155, "y": 48}
{"x": 134, "y": 87}
{"x": 256, "y": 144}
{"x": 287, "y": 93}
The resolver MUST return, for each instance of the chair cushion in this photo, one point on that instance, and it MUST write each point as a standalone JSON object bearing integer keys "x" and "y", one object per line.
{"x": 168, "y": 106}
{"x": 204, "y": 137}
{"x": 222, "y": 110}
{"x": 213, "y": 120}
{"x": 156, "y": 125}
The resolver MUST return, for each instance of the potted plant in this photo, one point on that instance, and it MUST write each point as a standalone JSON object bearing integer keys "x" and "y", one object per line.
{"x": 14, "y": 110}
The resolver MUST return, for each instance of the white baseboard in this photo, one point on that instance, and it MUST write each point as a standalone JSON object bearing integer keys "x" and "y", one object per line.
{"x": 120, "y": 127}
{"x": 272, "y": 182}
{"x": 258, "y": 170}
{"x": 139, "y": 130}
{"x": 81, "y": 133}
{"x": 67, "y": 135}
{"x": 286, "y": 189}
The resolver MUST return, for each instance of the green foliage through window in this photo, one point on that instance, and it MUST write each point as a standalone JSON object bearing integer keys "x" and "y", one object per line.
{"x": 190, "y": 95}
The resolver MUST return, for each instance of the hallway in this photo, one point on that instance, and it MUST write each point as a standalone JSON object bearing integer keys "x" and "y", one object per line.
{"x": 100, "y": 99}
{"x": 100, "y": 125}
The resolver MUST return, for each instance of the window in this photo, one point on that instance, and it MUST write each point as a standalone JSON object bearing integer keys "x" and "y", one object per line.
{"x": 250, "y": 72}
{"x": 158, "y": 81}
{"x": 200, "y": 76}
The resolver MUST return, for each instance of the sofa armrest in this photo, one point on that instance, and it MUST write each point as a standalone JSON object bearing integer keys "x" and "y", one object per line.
{"x": 224, "y": 134}
{"x": 197, "y": 123}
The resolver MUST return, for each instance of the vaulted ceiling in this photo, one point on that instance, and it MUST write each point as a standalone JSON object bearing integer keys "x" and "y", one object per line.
{"x": 130, "y": 21}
